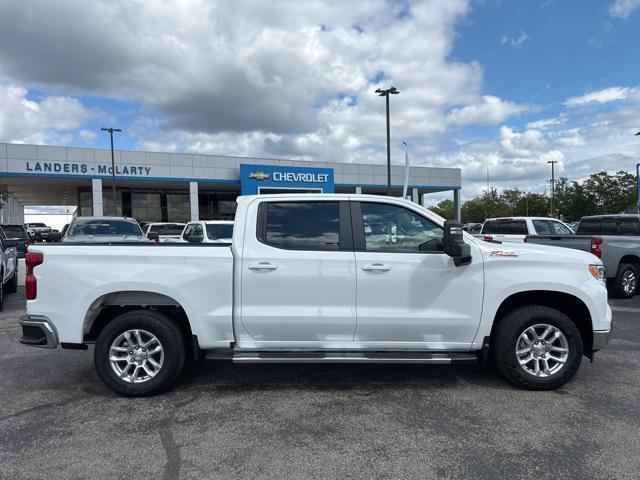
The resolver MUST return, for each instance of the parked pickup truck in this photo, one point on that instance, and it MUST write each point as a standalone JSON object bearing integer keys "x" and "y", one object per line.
{"x": 515, "y": 229}
{"x": 285, "y": 291}
{"x": 613, "y": 238}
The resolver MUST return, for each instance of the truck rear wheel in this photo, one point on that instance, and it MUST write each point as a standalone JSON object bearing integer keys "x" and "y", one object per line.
{"x": 140, "y": 353}
{"x": 537, "y": 348}
{"x": 625, "y": 284}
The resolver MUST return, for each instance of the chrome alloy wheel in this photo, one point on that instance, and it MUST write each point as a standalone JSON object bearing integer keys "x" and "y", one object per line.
{"x": 542, "y": 350}
{"x": 629, "y": 282}
{"x": 136, "y": 356}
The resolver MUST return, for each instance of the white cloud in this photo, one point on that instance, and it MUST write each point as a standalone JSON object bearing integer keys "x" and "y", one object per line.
{"x": 88, "y": 136}
{"x": 514, "y": 41}
{"x": 602, "y": 96}
{"x": 51, "y": 119}
{"x": 284, "y": 78}
{"x": 490, "y": 110}
{"x": 623, "y": 8}
{"x": 544, "y": 123}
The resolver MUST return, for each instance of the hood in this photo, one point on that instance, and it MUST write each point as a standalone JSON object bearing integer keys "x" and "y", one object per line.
{"x": 535, "y": 252}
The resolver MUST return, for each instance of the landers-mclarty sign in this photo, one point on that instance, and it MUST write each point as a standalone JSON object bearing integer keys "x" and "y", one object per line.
{"x": 86, "y": 169}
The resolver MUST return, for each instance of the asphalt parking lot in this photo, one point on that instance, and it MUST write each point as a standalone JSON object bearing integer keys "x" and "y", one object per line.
{"x": 224, "y": 421}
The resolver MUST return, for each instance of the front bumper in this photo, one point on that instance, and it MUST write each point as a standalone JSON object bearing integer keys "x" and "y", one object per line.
{"x": 38, "y": 331}
{"x": 600, "y": 339}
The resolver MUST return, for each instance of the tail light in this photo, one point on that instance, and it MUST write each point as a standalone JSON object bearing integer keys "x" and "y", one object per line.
{"x": 488, "y": 238}
{"x": 526, "y": 239}
{"x": 595, "y": 247}
{"x": 32, "y": 260}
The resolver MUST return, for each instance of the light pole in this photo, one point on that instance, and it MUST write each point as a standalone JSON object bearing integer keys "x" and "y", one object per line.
{"x": 385, "y": 93}
{"x": 638, "y": 182}
{"x": 113, "y": 165}
{"x": 553, "y": 183}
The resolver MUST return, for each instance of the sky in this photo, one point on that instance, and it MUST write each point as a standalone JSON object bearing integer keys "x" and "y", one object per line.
{"x": 493, "y": 87}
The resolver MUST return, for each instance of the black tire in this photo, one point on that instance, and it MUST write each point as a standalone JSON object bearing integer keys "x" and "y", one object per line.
{"x": 168, "y": 334}
{"x": 12, "y": 285}
{"x": 505, "y": 341}
{"x": 619, "y": 289}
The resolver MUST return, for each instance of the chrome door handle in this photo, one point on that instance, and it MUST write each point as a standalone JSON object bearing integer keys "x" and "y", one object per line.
{"x": 376, "y": 267}
{"x": 262, "y": 266}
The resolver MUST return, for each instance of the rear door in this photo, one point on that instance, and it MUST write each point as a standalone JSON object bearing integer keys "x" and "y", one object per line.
{"x": 298, "y": 282}
{"x": 410, "y": 293}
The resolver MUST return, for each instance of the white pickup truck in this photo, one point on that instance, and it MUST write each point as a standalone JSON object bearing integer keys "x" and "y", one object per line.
{"x": 305, "y": 281}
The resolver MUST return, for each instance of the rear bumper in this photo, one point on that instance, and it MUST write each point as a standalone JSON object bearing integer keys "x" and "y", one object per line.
{"x": 600, "y": 339}
{"x": 38, "y": 331}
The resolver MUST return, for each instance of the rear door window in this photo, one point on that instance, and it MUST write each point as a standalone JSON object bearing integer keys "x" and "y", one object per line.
{"x": 302, "y": 225}
{"x": 589, "y": 226}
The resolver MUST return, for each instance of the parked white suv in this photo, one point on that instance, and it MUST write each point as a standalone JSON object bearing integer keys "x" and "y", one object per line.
{"x": 208, "y": 231}
{"x": 305, "y": 281}
{"x": 515, "y": 229}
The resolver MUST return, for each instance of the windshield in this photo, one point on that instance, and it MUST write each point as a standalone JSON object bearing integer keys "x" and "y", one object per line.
{"x": 14, "y": 231}
{"x": 167, "y": 228}
{"x": 216, "y": 232}
{"x": 104, "y": 227}
{"x": 36, "y": 225}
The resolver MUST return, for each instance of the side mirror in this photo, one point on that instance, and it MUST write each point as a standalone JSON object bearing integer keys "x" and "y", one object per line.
{"x": 194, "y": 239}
{"x": 154, "y": 237}
{"x": 454, "y": 245}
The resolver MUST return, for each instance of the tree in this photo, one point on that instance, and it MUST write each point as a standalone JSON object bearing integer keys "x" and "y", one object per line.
{"x": 444, "y": 208}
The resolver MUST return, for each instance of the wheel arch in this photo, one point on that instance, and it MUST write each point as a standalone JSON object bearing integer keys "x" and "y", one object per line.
{"x": 570, "y": 305}
{"x": 113, "y": 304}
{"x": 632, "y": 259}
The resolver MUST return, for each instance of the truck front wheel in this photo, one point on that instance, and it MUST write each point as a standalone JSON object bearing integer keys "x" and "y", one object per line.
{"x": 537, "y": 348}
{"x": 140, "y": 353}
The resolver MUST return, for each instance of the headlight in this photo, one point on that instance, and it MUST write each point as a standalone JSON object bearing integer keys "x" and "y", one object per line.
{"x": 598, "y": 272}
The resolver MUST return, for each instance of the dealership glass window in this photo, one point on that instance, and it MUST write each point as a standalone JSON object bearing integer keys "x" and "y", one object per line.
{"x": 303, "y": 225}
{"x": 390, "y": 228}
{"x": 107, "y": 204}
{"x": 145, "y": 207}
{"x": 178, "y": 208}
{"x": 86, "y": 204}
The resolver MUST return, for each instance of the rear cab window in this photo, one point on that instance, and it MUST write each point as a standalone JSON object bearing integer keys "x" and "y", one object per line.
{"x": 505, "y": 227}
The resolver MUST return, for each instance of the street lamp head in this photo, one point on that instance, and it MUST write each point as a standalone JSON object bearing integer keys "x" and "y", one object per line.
{"x": 386, "y": 92}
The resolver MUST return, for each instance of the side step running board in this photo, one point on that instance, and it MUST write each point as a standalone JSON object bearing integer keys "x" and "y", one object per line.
{"x": 346, "y": 357}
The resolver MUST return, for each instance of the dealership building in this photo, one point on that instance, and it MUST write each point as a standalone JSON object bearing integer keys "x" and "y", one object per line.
{"x": 178, "y": 187}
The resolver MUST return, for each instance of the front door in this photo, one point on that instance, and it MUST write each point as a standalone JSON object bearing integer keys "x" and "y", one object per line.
{"x": 298, "y": 276}
{"x": 410, "y": 293}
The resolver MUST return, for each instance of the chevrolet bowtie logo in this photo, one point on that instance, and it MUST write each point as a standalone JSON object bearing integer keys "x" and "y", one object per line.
{"x": 259, "y": 175}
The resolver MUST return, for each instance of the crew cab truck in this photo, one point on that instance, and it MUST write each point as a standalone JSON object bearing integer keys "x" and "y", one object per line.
{"x": 304, "y": 281}
{"x": 613, "y": 238}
